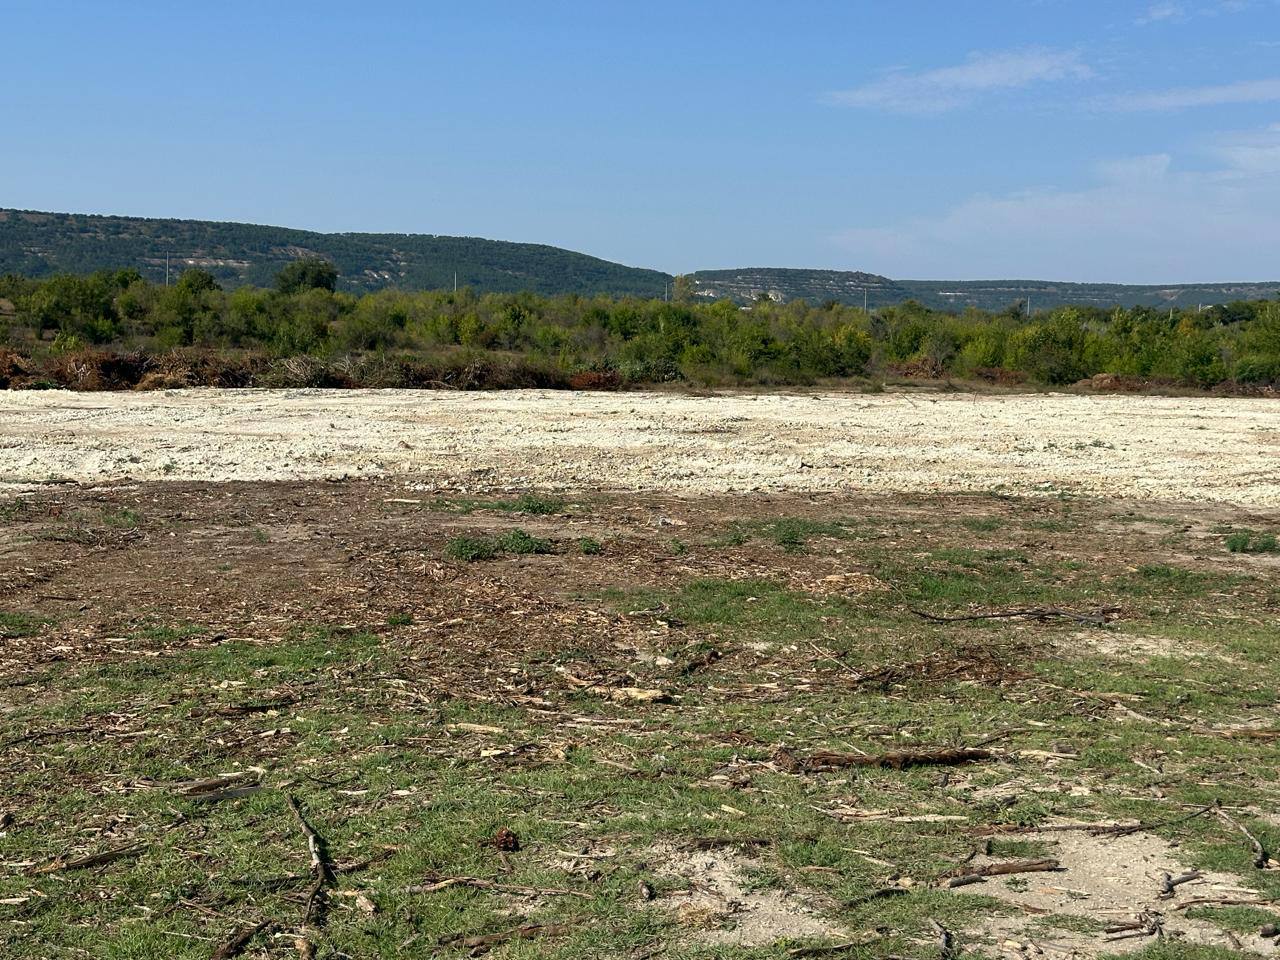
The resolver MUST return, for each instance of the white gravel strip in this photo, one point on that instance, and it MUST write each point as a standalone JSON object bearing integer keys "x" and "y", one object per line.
{"x": 1162, "y": 448}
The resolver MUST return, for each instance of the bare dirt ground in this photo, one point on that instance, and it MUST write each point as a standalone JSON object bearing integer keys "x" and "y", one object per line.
{"x": 635, "y": 689}
{"x": 1159, "y": 448}
{"x": 546, "y": 681}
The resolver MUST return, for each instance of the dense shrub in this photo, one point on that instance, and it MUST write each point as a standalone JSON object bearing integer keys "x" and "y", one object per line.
{"x": 466, "y": 341}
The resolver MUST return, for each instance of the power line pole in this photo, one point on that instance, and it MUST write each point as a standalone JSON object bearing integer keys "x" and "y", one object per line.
{"x": 166, "y": 269}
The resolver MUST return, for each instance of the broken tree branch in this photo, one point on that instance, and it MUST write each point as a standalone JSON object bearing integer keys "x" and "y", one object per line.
{"x": 321, "y": 870}
{"x": 1170, "y": 883}
{"x": 895, "y": 759}
{"x": 964, "y": 876}
{"x": 485, "y": 942}
{"x": 234, "y": 945}
{"x": 479, "y": 883}
{"x": 1260, "y": 858}
{"x": 1098, "y": 618}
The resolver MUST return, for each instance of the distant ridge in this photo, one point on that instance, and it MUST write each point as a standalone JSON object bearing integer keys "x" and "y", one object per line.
{"x": 747, "y": 284}
{"x": 39, "y": 244}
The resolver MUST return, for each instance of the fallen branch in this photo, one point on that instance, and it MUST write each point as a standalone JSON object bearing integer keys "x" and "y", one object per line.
{"x": 1098, "y": 618}
{"x": 1146, "y": 925}
{"x": 321, "y": 871}
{"x": 1170, "y": 883}
{"x": 874, "y": 895}
{"x": 1096, "y": 829}
{"x": 946, "y": 942}
{"x": 966, "y": 875}
{"x": 481, "y": 884}
{"x": 44, "y": 735}
{"x": 485, "y": 942}
{"x": 1223, "y": 902}
{"x": 1260, "y": 858}
{"x": 92, "y": 859}
{"x": 895, "y": 759}
{"x": 234, "y": 945}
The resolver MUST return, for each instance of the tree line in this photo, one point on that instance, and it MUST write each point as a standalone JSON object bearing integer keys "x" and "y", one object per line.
{"x": 630, "y": 340}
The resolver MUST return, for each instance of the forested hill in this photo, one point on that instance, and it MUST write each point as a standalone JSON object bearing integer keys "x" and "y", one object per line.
{"x": 37, "y": 244}
{"x": 850, "y": 287}
{"x": 40, "y": 244}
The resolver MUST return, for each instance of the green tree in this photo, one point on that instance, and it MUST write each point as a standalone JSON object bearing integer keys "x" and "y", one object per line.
{"x": 309, "y": 273}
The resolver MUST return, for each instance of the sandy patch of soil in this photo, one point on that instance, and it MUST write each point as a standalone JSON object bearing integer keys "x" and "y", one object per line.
{"x": 1108, "y": 880}
{"x": 1213, "y": 449}
{"x": 1137, "y": 646}
{"x": 720, "y": 907}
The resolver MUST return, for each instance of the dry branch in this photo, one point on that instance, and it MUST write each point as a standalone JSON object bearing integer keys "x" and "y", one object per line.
{"x": 963, "y": 876}
{"x": 321, "y": 870}
{"x": 1260, "y": 858}
{"x": 1098, "y": 618}
{"x": 234, "y": 945}
{"x": 485, "y": 942}
{"x": 946, "y": 942}
{"x": 482, "y": 884}
{"x": 1170, "y": 883}
{"x": 92, "y": 859}
{"x": 894, "y": 759}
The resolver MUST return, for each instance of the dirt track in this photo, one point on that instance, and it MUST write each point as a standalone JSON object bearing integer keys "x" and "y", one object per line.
{"x": 1121, "y": 446}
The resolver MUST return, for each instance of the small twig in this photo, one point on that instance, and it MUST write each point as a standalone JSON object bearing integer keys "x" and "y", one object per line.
{"x": 321, "y": 871}
{"x": 1223, "y": 902}
{"x": 45, "y": 735}
{"x": 485, "y": 942}
{"x": 482, "y": 884}
{"x": 1260, "y": 859}
{"x": 92, "y": 859}
{"x": 874, "y": 895}
{"x": 1098, "y": 618}
{"x": 234, "y": 945}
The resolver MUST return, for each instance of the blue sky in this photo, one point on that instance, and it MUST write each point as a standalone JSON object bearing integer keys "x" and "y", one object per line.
{"x": 1058, "y": 139}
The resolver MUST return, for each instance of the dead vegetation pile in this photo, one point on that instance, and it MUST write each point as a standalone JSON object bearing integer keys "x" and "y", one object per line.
{"x": 104, "y": 369}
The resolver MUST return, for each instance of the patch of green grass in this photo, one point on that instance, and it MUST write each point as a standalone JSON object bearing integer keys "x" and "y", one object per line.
{"x": 982, "y": 524}
{"x": 15, "y": 625}
{"x": 759, "y": 605}
{"x": 535, "y": 504}
{"x": 121, "y": 518}
{"x": 469, "y": 549}
{"x": 472, "y": 548}
{"x": 519, "y": 542}
{"x": 590, "y": 546}
{"x": 399, "y": 619}
{"x": 791, "y": 533}
{"x": 259, "y": 535}
{"x": 1246, "y": 541}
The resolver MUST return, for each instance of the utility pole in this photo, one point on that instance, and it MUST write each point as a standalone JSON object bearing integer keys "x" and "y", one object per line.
{"x": 166, "y": 269}
{"x": 455, "y": 281}
{"x": 864, "y": 299}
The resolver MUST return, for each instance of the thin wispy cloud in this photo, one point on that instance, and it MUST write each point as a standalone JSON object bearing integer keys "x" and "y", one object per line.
{"x": 1182, "y": 98}
{"x": 1161, "y": 12}
{"x": 947, "y": 88}
{"x": 1145, "y": 214}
